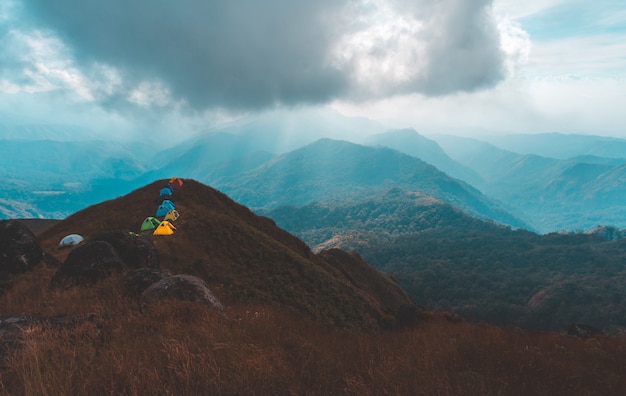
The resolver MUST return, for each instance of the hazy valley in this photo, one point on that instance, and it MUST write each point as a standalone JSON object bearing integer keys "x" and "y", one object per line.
{"x": 575, "y": 187}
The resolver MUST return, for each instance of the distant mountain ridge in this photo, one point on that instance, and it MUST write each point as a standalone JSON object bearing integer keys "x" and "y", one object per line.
{"x": 551, "y": 194}
{"x": 561, "y": 146}
{"x": 410, "y": 142}
{"x": 331, "y": 170}
{"x": 541, "y": 192}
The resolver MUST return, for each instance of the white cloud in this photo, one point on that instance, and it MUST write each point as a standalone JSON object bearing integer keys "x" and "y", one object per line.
{"x": 43, "y": 64}
{"x": 516, "y": 9}
{"x": 616, "y": 18}
{"x": 583, "y": 105}
{"x": 592, "y": 56}
{"x": 567, "y": 105}
{"x": 515, "y": 43}
{"x": 386, "y": 51}
{"x": 149, "y": 94}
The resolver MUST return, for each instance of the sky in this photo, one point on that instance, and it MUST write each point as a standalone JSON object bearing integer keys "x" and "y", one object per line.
{"x": 163, "y": 68}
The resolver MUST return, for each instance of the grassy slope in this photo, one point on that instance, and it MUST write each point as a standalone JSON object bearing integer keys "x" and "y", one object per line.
{"x": 183, "y": 348}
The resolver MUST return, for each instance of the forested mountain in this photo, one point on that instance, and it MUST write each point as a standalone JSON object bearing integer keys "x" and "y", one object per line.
{"x": 480, "y": 270}
{"x": 410, "y": 142}
{"x": 339, "y": 171}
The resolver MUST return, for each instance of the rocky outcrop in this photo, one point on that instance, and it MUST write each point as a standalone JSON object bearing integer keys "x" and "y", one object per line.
{"x": 88, "y": 264}
{"x": 134, "y": 250}
{"x": 140, "y": 279}
{"x": 181, "y": 287}
{"x": 19, "y": 251}
{"x": 19, "y": 248}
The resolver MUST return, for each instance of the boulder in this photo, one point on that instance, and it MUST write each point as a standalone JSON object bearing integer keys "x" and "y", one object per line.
{"x": 140, "y": 279}
{"x": 88, "y": 264}
{"x": 135, "y": 251}
{"x": 19, "y": 248}
{"x": 181, "y": 287}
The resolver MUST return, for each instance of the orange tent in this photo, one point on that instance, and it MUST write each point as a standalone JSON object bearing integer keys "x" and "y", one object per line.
{"x": 176, "y": 182}
{"x": 164, "y": 228}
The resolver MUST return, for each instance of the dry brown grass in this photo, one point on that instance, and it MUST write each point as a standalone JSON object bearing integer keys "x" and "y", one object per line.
{"x": 184, "y": 348}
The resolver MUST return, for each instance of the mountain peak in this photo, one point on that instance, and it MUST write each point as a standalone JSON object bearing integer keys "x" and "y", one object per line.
{"x": 247, "y": 258}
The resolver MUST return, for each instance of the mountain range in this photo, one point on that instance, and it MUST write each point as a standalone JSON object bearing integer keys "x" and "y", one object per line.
{"x": 551, "y": 194}
{"x": 552, "y": 182}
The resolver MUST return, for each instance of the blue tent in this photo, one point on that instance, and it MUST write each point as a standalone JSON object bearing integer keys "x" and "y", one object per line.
{"x": 165, "y": 207}
{"x": 162, "y": 211}
{"x": 165, "y": 191}
{"x": 169, "y": 204}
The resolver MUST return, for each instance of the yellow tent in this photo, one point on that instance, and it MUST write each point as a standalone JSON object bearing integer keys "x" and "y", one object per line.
{"x": 172, "y": 215}
{"x": 164, "y": 228}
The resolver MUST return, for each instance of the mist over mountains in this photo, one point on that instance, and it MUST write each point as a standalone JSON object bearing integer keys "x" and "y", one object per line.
{"x": 552, "y": 182}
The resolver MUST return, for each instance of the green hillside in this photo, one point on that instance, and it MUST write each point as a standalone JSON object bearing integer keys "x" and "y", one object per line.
{"x": 480, "y": 270}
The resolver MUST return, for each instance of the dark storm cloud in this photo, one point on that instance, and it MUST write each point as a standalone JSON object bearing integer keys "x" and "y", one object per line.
{"x": 230, "y": 53}
{"x": 464, "y": 51}
{"x": 253, "y": 53}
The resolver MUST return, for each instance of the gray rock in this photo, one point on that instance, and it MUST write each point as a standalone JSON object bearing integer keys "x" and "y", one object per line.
{"x": 140, "y": 279}
{"x": 181, "y": 287}
{"x": 88, "y": 264}
{"x": 19, "y": 248}
{"x": 136, "y": 251}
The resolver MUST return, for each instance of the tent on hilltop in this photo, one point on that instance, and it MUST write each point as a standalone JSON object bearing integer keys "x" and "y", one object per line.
{"x": 165, "y": 207}
{"x": 172, "y": 215}
{"x": 71, "y": 240}
{"x": 166, "y": 191}
{"x": 169, "y": 204}
{"x": 176, "y": 182}
{"x": 150, "y": 223}
{"x": 164, "y": 228}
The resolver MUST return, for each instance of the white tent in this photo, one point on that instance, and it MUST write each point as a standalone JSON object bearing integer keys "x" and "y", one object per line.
{"x": 72, "y": 239}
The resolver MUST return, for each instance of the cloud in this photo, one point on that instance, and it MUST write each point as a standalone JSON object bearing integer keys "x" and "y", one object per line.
{"x": 252, "y": 54}
{"x": 519, "y": 9}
